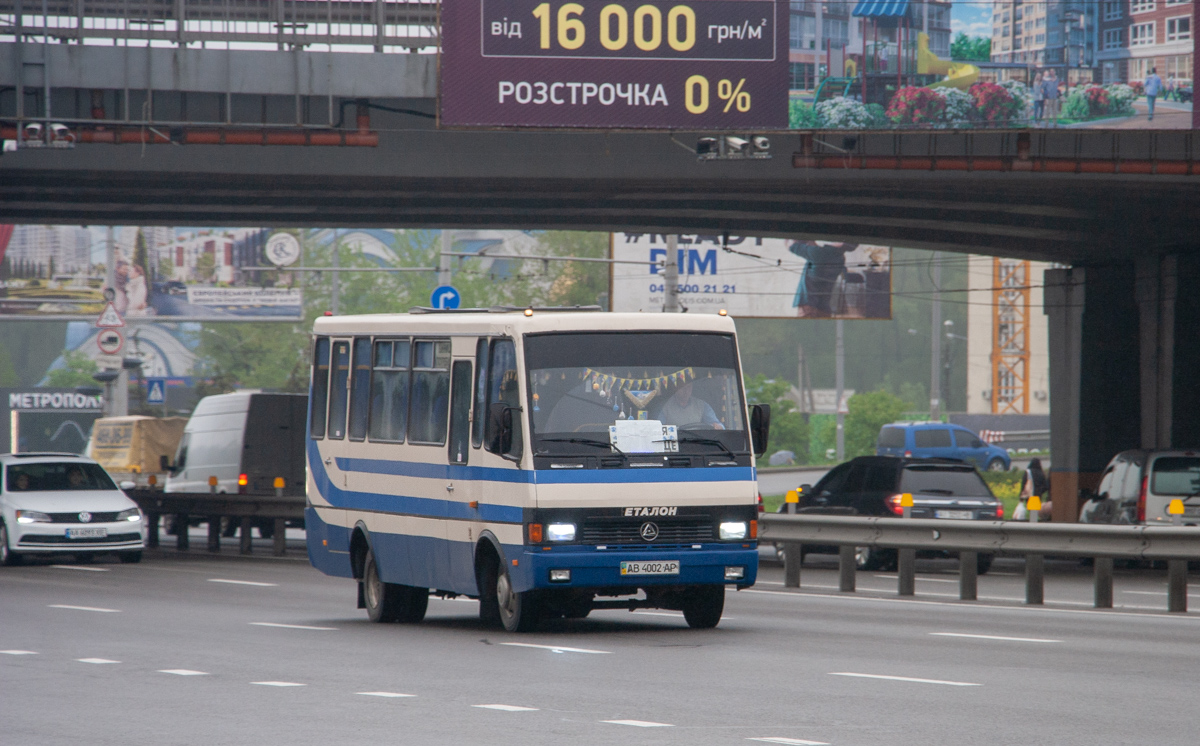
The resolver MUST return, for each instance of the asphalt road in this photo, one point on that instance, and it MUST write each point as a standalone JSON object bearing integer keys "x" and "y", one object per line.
{"x": 203, "y": 649}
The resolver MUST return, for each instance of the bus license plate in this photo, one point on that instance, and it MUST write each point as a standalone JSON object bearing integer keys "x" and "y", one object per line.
{"x": 667, "y": 567}
{"x": 87, "y": 533}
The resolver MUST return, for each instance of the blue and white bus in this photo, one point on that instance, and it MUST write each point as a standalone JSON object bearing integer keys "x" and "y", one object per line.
{"x": 547, "y": 463}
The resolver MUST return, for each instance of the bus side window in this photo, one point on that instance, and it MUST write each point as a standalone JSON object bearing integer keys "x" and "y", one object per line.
{"x": 460, "y": 411}
{"x": 481, "y": 353}
{"x": 503, "y": 384}
{"x": 389, "y": 390}
{"x": 429, "y": 406}
{"x": 320, "y": 389}
{"x": 338, "y": 390}
{"x": 360, "y": 382}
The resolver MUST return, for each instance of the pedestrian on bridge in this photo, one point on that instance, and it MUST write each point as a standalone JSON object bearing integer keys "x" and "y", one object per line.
{"x": 1152, "y": 87}
{"x": 1033, "y": 482}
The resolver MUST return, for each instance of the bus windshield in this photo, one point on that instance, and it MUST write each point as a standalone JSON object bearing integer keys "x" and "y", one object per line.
{"x": 583, "y": 383}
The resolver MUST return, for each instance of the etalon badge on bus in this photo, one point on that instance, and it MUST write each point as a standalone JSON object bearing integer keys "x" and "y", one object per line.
{"x": 641, "y": 398}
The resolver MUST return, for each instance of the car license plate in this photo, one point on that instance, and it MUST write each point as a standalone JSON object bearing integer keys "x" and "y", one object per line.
{"x": 665, "y": 567}
{"x": 962, "y": 515}
{"x": 87, "y": 533}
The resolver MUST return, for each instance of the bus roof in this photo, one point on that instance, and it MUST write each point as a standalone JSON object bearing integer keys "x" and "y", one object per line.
{"x": 516, "y": 322}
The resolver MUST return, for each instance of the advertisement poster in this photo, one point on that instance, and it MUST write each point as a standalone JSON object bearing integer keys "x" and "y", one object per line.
{"x": 897, "y": 64}
{"x": 755, "y": 277}
{"x": 715, "y": 64}
{"x": 149, "y": 273}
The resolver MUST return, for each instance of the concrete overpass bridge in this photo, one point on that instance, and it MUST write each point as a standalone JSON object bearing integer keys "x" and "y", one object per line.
{"x": 159, "y": 127}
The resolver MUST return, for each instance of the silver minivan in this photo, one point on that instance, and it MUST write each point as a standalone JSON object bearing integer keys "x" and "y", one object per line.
{"x": 1137, "y": 487}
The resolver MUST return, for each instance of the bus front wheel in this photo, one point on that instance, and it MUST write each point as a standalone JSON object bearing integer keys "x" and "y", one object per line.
{"x": 519, "y": 612}
{"x": 703, "y": 606}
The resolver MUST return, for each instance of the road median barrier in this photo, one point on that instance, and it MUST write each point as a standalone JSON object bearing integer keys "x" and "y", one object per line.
{"x": 1103, "y": 543}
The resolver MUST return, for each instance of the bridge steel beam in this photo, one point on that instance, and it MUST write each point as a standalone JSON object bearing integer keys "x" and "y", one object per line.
{"x": 650, "y": 182}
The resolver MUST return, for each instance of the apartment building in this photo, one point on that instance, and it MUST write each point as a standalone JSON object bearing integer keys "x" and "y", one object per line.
{"x": 1138, "y": 35}
{"x": 1061, "y": 34}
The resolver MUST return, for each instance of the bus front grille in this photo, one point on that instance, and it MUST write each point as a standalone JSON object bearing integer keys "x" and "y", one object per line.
{"x": 629, "y": 532}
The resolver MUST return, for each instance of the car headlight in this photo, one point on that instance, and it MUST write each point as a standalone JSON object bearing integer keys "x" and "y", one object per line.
{"x": 32, "y": 516}
{"x": 560, "y": 532}
{"x": 133, "y": 514}
{"x": 733, "y": 530}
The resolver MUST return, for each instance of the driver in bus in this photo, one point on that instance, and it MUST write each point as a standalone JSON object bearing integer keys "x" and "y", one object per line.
{"x": 684, "y": 409}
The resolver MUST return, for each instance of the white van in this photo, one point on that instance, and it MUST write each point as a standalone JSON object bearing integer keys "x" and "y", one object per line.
{"x": 245, "y": 440}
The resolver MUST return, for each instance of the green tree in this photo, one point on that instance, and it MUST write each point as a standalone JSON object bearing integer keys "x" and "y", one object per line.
{"x": 77, "y": 371}
{"x": 206, "y": 264}
{"x": 789, "y": 428}
{"x": 868, "y": 413}
{"x": 970, "y": 48}
{"x": 139, "y": 254}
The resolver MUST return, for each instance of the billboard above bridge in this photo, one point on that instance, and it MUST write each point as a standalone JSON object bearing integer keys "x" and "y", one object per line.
{"x": 755, "y": 277}
{"x": 699, "y": 64}
{"x": 164, "y": 274}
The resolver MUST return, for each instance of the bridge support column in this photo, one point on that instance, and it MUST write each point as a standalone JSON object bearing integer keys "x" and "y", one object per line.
{"x": 1120, "y": 368}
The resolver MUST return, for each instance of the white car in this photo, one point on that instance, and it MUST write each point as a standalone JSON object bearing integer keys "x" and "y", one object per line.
{"x": 57, "y": 503}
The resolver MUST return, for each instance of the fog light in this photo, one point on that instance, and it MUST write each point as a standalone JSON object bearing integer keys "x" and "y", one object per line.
{"x": 735, "y": 573}
{"x": 564, "y": 576}
{"x": 733, "y": 530}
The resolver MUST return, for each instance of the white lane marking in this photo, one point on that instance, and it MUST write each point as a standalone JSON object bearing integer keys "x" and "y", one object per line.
{"x": 242, "y": 582}
{"x": 1155, "y": 593}
{"x": 276, "y": 683}
{"x": 183, "y": 672}
{"x": 384, "y": 694}
{"x": 81, "y": 567}
{"x": 17, "y": 652}
{"x": 95, "y": 660}
{"x": 902, "y": 678}
{"x": 1020, "y": 609}
{"x": 927, "y": 580}
{"x": 506, "y": 708}
{"x": 289, "y": 626}
{"x": 557, "y": 648}
{"x": 672, "y": 614}
{"x": 790, "y": 741}
{"x": 639, "y": 723}
{"x": 992, "y": 637}
{"x": 84, "y": 608}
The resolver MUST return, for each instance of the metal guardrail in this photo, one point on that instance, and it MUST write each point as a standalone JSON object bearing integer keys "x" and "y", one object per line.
{"x": 1102, "y": 543}
{"x": 211, "y": 508}
{"x": 410, "y": 24}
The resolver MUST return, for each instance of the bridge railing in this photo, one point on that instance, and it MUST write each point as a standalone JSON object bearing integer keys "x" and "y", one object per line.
{"x": 382, "y": 25}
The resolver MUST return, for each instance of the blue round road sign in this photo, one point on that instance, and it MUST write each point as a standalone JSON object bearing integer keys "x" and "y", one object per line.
{"x": 445, "y": 297}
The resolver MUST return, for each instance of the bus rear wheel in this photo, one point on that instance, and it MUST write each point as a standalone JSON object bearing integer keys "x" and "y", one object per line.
{"x": 703, "y": 606}
{"x": 519, "y": 612}
{"x": 391, "y": 602}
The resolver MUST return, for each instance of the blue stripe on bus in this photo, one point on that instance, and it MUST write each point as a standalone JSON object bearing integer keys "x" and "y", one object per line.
{"x": 420, "y": 506}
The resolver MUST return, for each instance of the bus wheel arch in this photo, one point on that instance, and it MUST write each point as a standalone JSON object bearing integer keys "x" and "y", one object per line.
{"x": 488, "y": 560}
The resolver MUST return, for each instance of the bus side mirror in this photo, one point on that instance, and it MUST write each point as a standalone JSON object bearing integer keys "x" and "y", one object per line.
{"x": 164, "y": 463}
{"x": 760, "y": 427}
{"x": 501, "y": 433}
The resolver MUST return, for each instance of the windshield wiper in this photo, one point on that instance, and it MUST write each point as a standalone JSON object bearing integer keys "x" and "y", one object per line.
{"x": 707, "y": 441}
{"x": 584, "y": 441}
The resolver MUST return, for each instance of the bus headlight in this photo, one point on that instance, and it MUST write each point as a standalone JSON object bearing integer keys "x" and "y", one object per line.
{"x": 560, "y": 532}
{"x": 733, "y": 530}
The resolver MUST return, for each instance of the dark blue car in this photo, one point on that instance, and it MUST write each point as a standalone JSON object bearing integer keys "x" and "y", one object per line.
{"x": 940, "y": 440}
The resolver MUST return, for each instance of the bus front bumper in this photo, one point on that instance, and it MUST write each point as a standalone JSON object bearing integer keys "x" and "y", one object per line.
{"x": 585, "y": 568}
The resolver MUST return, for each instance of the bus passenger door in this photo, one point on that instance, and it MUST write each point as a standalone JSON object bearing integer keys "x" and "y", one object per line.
{"x": 461, "y": 490}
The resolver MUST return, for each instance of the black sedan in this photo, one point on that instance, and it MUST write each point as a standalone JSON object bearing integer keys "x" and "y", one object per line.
{"x": 875, "y": 486}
